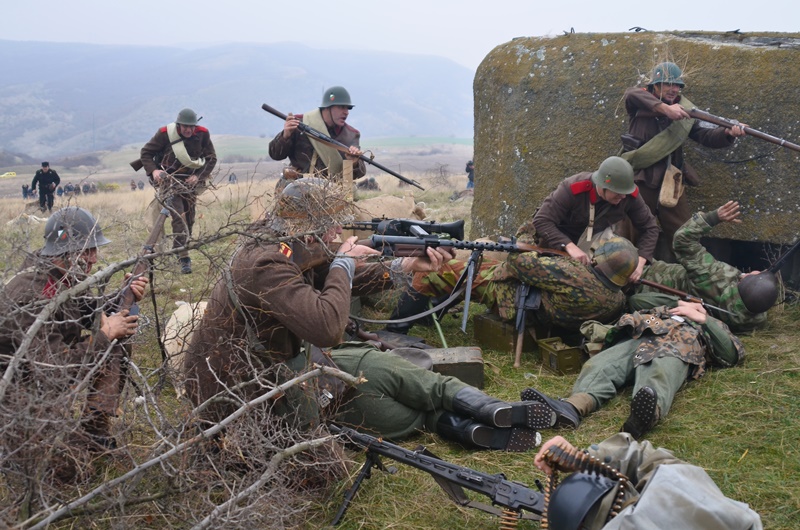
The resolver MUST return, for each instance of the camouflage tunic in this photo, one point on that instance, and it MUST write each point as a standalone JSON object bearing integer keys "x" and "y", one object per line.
{"x": 698, "y": 273}
{"x": 571, "y": 292}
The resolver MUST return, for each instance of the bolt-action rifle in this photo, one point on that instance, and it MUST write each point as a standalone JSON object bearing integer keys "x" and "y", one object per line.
{"x": 513, "y": 498}
{"x": 717, "y": 120}
{"x": 686, "y": 297}
{"x": 402, "y": 227}
{"x": 324, "y": 138}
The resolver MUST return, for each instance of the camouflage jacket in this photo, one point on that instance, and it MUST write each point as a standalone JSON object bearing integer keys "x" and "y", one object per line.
{"x": 674, "y": 336}
{"x": 700, "y": 274}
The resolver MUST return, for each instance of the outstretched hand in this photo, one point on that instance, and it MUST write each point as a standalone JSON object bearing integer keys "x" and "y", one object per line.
{"x": 560, "y": 441}
{"x": 729, "y": 212}
{"x": 435, "y": 258}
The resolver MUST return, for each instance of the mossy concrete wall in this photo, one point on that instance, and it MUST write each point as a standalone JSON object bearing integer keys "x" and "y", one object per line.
{"x": 549, "y": 107}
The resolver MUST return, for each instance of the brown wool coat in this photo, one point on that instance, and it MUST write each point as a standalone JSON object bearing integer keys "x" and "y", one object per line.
{"x": 299, "y": 151}
{"x": 159, "y": 151}
{"x": 285, "y": 305}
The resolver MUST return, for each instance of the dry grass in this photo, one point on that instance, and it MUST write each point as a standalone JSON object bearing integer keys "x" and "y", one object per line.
{"x": 742, "y": 425}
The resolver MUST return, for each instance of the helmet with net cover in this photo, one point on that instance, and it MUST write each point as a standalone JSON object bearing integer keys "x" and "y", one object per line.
{"x": 575, "y": 498}
{"x": 615, "y": 174}
{"x": 336, "y": 95}
{"x": 667, "y": 72}
{"x": 616, "y": 258}
{"x": 313, "y": 204}
{"x": 71, "y": 229}
{"x": 759, "y": 291}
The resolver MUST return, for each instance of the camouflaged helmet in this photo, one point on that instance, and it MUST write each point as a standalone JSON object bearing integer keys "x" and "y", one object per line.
{"x": 336, "y": 95}
{"x": 187, "y": 117}
{"x": 615, "y": 174}
{"x": 71, "y": 229}
{"x": 616, "y": 258}
{"x": 667, "y": 73}
{"x": 313, "y": 204}
{"x": 759, "y": 291}
{"x": 573, "y": 500}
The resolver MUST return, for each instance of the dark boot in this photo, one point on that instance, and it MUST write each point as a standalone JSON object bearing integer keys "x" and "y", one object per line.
{"x": 186, "y": 265}
{"x": 566, "y": 414}
{"x": 475, "y": 404}
{"x": 644, "y": 413}
{"x": 410, "y": 303}
{"x": 472, "y": 434}
{"x": 97, "y": 425}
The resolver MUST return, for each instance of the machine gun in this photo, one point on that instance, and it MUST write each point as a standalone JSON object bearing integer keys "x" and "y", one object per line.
{"x": 513, "y": 497}
{"x": 402, "y": 227}
{"x": 324, "y": 138}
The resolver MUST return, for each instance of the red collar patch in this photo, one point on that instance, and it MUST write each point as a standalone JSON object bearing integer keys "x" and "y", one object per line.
{"x": 286, "y": 250}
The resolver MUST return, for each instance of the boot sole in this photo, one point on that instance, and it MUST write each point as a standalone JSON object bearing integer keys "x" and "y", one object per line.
{"x": 529, "y": 413}
{"x": 560, "y": 420}
{"x": 515, "y": 439}
{"x": 644, "y": 407}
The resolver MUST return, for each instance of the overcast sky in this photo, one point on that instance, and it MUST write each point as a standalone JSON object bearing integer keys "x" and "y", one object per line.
{"x": 464, "y": 31}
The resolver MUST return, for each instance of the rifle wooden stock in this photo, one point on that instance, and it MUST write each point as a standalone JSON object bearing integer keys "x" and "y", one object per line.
{"x": 310, "y": 131}
{"x": 686, "y": 297}
{"x": 717, "y": 120}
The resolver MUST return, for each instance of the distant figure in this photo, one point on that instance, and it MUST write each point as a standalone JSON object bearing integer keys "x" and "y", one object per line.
{"x": 59, "y": 191}
{"x": 309, "y": 156}
{"x": 69, "y": 189}
{"x": 470, "y": 170}
{"x": 368, "y": 184}
{"x": 133, "y": 185}
{"x": 141, "y": 185}
{"x": 25, "y": 191}
{"x": 233, "y": 179}
{"x": 47, "y": 180}
{"x": 93, "y": 188}
{"x": 86, "y": 188}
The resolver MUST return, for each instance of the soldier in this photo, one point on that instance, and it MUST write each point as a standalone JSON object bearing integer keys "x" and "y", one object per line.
{"x": 183, "y": 153}
{"x": 635, "y": 485}
{"x": 745, "y": 297}
{"x": 585, "y": 205}
{"x": 273, "y": 299}
{"x": 659, "y": 125}
{"x": 66, "y": 354}
{"x": 48, "y": 180}
{"x": 310, "y": 156}
{"x": 656, "y": 350}
{"x": 569, "y": 291}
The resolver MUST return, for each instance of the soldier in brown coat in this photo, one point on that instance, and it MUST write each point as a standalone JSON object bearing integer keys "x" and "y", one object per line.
{"x": 310, "y": 156}
{"x": 275, "y": 300}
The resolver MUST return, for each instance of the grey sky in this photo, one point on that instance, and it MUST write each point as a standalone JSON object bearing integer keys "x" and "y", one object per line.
{"x": 464, "y": 31}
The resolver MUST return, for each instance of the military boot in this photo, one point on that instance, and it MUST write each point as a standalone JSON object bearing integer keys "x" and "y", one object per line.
{"x": 472, "y": 434}
{"x": 97, "y": 425}
{"x": 410, "y": 303}
{"x": 566, "y": 414}
{"x": 473, "y": 403}
{"x": 644, "y": 413}
{"x": 186, "y": 265}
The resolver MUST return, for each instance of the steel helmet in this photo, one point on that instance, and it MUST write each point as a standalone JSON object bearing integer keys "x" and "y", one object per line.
{"x": 615, "y": 174}
{"x": 759, "y": 291}
{"x": 667, "y": 72}
{"x": 187, "y": 117}
{"x": 574, "y": 498}
{"x": 71, "y": 229}
{"x": 616, "y": 258}
{"x": 336, "y": 95}
{"x": 313, "y": 204}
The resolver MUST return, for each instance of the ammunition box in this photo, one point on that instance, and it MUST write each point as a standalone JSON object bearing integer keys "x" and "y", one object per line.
{"x": 465, "y": 363}
{"x": 492, "y": 333}
{"x": 560, "y": 357}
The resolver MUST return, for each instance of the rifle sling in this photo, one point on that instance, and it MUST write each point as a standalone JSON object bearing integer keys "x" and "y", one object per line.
{"x": 664, "y": 143}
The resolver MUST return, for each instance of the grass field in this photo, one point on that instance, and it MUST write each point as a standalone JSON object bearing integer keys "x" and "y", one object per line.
{"x": 741, "y": 424}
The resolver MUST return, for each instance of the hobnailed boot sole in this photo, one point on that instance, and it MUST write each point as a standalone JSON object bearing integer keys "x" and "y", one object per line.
{"x": 644, "y": 413}
{"x": 515, "y": 439}
{"x": 529, "y": 413}
{"x": 563, "y": 416}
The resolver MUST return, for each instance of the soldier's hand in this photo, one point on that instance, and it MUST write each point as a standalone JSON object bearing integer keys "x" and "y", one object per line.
{"x": 539, "y": 461}
{"x": 636, "y": 275}
{"x": 674, "y": 111}
{"x": 290, "y": 125}
{"x": 119, "y": 325}
{"x": 691, "y": 310}
{"x": 432, "y": 262}
{"x": 192, "y": 180}
{"x": 137, "y": 286}
{"x": 737, "y": 130}
{"x": 577, "y": 254}
{"x": 729, "y": 212}
{"x": 354, "y": 153}
{"x": 158, "y": 174}
{"x": 352, "y": 249}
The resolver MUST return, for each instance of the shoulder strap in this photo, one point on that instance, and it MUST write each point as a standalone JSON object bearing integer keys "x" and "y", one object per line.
{"x": 179, "y": 149}
{"x": 663, "y": 144}
{"x": 329, "y": 155}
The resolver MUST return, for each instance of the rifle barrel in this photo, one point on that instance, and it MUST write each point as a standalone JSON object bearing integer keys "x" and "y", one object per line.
{"x": 325, "y": 138}
{"x": 717, "y": 120}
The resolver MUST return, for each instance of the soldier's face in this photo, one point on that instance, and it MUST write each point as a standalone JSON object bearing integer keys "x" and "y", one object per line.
{"x": 610, "y": 196}
{"x": 339, "y": 114}
{"x": 667, "y": 92}
{"x": 186, "y": 130}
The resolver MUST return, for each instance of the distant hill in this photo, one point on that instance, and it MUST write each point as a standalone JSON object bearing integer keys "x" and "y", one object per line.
{"x": 63, "y": 99}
